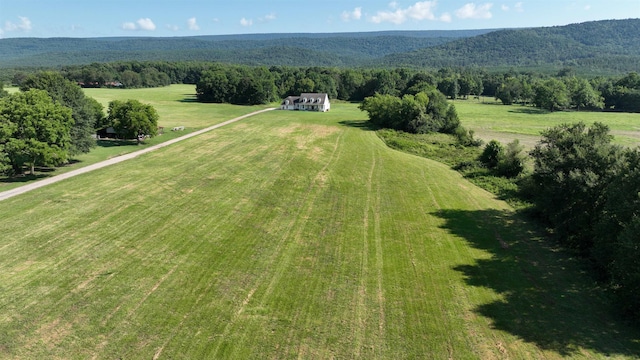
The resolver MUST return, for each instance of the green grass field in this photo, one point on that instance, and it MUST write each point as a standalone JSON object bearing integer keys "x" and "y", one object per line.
{"x": 492, "y": 120}
{"x": 176, "y": 106}
{"x": 288, "y": 235}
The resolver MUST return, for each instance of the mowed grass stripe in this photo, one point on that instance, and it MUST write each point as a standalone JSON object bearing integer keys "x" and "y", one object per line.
{"x": 289, "y": 235}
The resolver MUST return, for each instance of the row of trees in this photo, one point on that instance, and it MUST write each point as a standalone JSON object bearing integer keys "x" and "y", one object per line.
{"x": 237, "y": 85}
{"x": 571, "y": 92}
{"x": 552, "y": 93}
{"x": 227, "y": 83}
{"x": 51, "y": 119}
{"x": 135, "y": 74}
{"x": 588, "y": 191}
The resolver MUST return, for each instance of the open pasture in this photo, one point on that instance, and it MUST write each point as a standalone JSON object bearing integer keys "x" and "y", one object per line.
{"x": 171, "y": 101}
{"x": 176, "y": 106}
{"x": 288, "y": 235}
{"x": 491, "y": 120}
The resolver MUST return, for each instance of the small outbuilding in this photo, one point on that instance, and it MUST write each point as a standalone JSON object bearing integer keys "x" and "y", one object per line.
{"x": 307, "y": 102}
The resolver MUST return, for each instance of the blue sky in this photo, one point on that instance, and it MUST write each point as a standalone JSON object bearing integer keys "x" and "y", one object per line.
{"x": 97, "y": 18}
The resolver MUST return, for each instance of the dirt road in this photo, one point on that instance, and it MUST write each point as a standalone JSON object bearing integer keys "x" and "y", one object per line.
{"x": 54, "y": 179}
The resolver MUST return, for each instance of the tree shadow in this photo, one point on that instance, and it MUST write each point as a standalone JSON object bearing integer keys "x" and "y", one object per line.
{"x": 115, "y": 142}
{"x": 529, "y": 111}
{"x": 360, "y": 124}
{"x": 23, "y": 178}
{"x": 189, "y": 98}
{"x": 547, "y": 299}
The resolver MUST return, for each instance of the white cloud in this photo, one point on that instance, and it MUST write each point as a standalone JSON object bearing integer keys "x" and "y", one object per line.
{"x": 587, "y": 7}
{"x": 422, "y": 10}
{"x": 446, "y": 17}
{"x": 394, "y": 5}
{"x": 128, "y": 26}
{"x": 356, "y": 14}
{"x": 473, "y": 11}
{"x": 173, "y": 27}
{"x": 146, "y": 24}
{"x": 267, "y": 18}
{"x": 23, "y": 25}
{"x": 504, "y": 8}
{"x": 141, "y": 24}
{"x": 519, "y": 7}
{"x": 246, "y": 22}
{"x": 192, "y": 24}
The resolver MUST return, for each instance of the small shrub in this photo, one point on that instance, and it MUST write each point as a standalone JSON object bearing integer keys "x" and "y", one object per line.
{"x": 511, "y": 163}
{"x": 492, "y": 154}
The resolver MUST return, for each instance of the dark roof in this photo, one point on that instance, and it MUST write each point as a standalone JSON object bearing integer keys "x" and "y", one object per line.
{"x": 306, "y": 98}
{"x": 314, "y": 98}
{"x": 292, "y": 100}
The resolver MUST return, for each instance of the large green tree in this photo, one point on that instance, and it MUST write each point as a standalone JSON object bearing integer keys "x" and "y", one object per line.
{"x": 621, "y": 207}
{"x": 132, "y": 119}
{"x": 583, "y": 96}
{"x": 86, "y": 111}
{"x": 551, "y": 94}
{"x": 34, "y": 130}
{"x": 572, "y": 166}
{"x": 420, "y": 113}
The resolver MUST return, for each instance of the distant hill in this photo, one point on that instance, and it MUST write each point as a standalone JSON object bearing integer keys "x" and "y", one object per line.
{"x": 598, "y": 44}
{"x": 611, "y": 46}
{"x": 329, "y": 49}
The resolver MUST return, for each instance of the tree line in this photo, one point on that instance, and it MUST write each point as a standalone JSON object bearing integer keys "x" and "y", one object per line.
{"x": 587, "y": 190}
{"x": 240, "y": 84}
{"x": 51, "y": 119}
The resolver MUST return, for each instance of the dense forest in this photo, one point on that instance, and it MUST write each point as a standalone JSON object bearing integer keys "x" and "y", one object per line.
{"x": 600, "y": 47}
{"x": 241, "y": 84}
{"x": 347, "y": 49}
{"x": 612, "y": 44}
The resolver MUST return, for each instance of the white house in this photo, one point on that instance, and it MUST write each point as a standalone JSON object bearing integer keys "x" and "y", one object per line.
{"x": 307, "y": 102}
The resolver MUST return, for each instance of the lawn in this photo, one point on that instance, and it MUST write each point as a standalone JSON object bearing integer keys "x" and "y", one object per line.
{"x": 492, "y": 120}
{"x": 176, "y": 106}
{"x": 288, "y": 235}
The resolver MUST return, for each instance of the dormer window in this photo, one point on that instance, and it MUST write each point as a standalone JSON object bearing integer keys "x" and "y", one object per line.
{"x": 319, "y": 100}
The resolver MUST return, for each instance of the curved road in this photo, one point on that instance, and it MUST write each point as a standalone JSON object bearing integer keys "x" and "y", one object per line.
{"x": 54, "y": 179}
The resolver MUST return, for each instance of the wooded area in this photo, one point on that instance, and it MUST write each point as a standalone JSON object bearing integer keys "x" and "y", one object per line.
{"x": 594, "y": 48}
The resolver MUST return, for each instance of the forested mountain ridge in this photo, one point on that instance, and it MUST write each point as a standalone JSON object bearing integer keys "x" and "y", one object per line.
{"x": 610, "y": 46}
{"x": 337, "y": 49}
{"x": 595, "y": 44}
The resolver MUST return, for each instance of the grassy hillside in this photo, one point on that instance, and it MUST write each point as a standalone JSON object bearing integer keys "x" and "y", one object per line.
{"x": 288, "y": 235}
